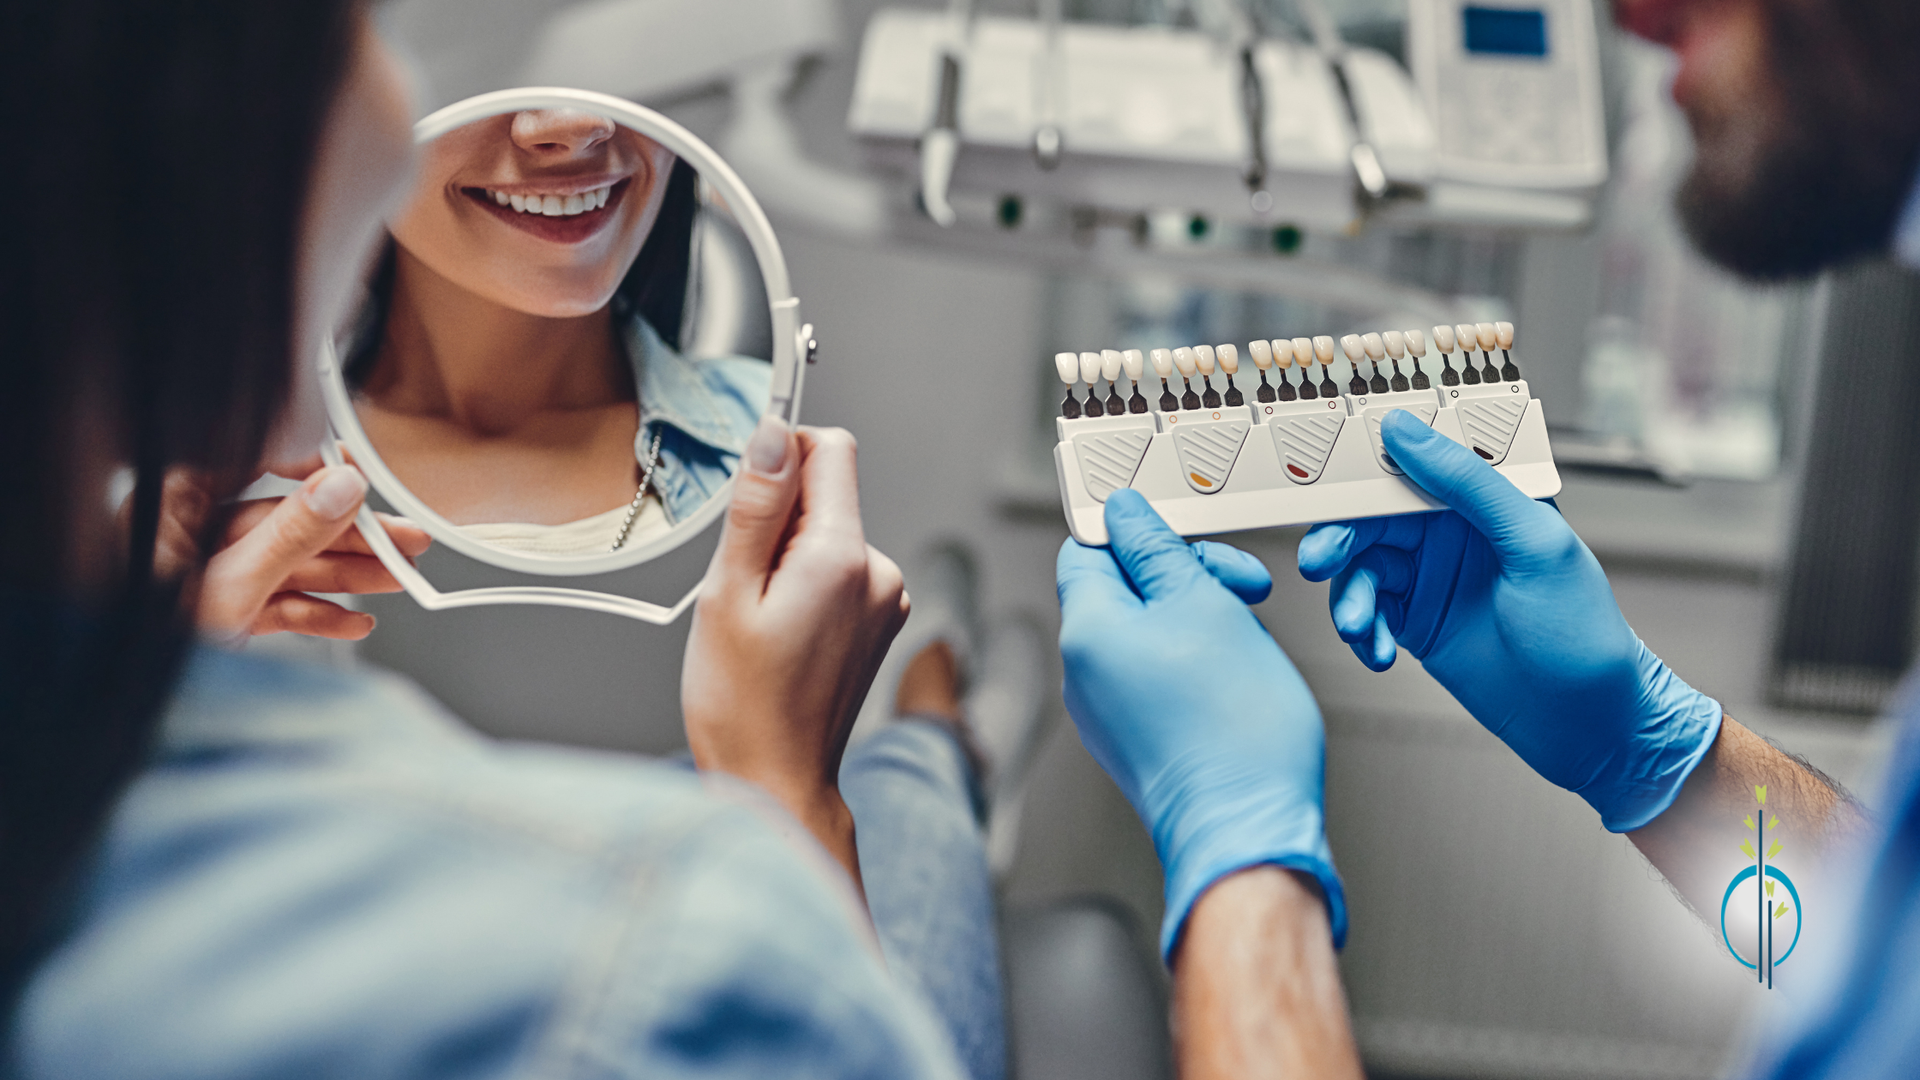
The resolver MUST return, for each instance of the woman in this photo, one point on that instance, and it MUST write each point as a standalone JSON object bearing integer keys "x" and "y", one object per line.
{"x": 218, "y": 866}
{"x": 532, "y": 296}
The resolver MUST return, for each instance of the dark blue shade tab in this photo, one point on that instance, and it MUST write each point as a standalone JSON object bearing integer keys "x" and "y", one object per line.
{"x": 1505, "y": 31}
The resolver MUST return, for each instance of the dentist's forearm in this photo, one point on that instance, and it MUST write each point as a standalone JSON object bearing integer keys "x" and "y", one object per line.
{"x": 1695, "y": 843}
{"x": 1256, "y": 988}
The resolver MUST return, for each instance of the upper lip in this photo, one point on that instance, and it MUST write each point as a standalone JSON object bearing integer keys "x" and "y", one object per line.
{"x": 557, "y": 185}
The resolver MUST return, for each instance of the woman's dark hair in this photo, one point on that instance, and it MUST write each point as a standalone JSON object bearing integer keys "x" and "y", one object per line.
{"x": 655, "y": 286}
{"x": 147, "y": 294}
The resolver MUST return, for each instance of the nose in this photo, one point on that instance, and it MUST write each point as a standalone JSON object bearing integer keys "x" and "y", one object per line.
{"x": 561, "y": 133}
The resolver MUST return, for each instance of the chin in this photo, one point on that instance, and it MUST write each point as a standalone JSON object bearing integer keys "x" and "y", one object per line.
{"x": 1786, "y": 211}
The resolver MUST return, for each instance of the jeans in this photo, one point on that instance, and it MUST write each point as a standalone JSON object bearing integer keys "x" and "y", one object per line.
{"x": 917, "y": 815}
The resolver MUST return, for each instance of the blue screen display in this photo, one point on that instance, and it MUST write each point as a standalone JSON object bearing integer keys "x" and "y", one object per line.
{"x": 1505, "y": 31}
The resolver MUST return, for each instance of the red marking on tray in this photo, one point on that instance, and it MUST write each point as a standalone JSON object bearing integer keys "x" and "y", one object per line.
{"x": 1297, "y": 471}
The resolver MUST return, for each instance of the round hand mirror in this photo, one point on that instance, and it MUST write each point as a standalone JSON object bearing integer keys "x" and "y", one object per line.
{"x": 579, "y": 316}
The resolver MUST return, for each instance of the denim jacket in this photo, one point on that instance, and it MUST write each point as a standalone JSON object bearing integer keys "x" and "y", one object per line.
{"x": 703, "y": 409}
{"x": 323, "y": 875}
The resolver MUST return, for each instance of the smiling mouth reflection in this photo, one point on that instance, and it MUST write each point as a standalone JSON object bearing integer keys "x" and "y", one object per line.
{"x": 552, "y": 205}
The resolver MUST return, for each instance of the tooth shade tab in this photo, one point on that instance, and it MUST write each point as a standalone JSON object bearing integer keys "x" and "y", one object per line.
{"x": 1089, "y": 367}
{"x": 1067, "y": 366}
{"x": 1110, "y": 364}
{"x": 1376, "y": 349}
{"x": 1467, "y": 336}
{"x": 1395, "y": 343}
{"x": 1203, "y": 358}
{"x": 1503, "y": 333}
{"x": 1135, "y": 363}
{"x": 1353, "y": 347}
{"x": 1162, "y": 362}
{"x": 1323, "y": 348}
{"x": 1443, "y": 338}
{"x": 1229, "y": 358}
{"x": 1489, "y": 338}
{"x": 1262, "y": 354}
{"x": 1416, "y": 344}
{"x": 1183, "y": 359}
{"x": 1303, "y": 351}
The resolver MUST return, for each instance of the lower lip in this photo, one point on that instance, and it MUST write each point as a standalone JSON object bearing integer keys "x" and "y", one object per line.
{"x": 565, "y": 229}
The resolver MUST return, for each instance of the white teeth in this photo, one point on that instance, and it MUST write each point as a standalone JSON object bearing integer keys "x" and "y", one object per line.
{"x": 555, "y": 205}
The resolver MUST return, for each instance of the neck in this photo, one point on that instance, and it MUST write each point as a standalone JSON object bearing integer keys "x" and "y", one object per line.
{"x": 459, "y": 357}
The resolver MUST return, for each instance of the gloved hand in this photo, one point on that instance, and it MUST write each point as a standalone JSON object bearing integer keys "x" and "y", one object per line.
{"x": 1511, "y": 613}
{"x": 1189, "y": 704}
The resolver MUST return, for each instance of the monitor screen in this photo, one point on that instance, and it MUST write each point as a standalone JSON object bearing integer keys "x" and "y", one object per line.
{"x": 1505, "y": 31}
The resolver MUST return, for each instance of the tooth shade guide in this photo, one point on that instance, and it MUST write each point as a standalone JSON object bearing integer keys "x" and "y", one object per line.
{"x": 1135, "y": 363}
{"x": 1203, "y": 359}
{"x": 1111, "y": 364}
{"x": 1261, "y": 353}
{"x": 1443, "y": 339}
{"x": 1303, "y": 351}
{"x": 1228, "y": 358}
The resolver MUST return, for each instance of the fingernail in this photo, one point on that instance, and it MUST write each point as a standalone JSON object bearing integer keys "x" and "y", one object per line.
{"x": 767, "y": 450}
{"x": 337, "y": 493}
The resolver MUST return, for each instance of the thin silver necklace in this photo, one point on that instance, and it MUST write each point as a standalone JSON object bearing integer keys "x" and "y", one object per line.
{"x": 646, "y": 477}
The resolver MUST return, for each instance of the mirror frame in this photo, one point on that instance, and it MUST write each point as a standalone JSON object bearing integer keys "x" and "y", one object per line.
{"x": 793, "y": 347}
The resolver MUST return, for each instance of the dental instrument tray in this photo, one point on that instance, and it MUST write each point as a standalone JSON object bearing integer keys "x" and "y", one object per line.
{"x": 1211, "y": 461}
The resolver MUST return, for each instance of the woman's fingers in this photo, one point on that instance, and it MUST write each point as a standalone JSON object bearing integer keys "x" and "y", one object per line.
{"x": 830, "y": 484}
{"x": 338, "y": 572}
{"x": 298, "y": 613}
{"x": 411, "y": 539}
{"x": 764, "y": 492}
{"x": 243, "y": 577}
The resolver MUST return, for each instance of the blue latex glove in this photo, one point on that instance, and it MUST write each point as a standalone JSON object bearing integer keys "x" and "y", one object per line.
{"x": 1189, "y": 704}
{"x": 1511, "y": 613}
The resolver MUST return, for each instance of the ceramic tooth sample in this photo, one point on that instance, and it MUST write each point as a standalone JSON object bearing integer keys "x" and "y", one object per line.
{"x": 1110, "y": 365}
{"x": 1306, "y": 358}
{"x": 1163, "y": 367}
{"x": 1262, "y": 353}
{"x": 1203, "y": 358}
{"x": 1135, "y": 363}
{"x": 1417, "y": 348}
{"x": 1443, "y": 343}
{"x": 1489, "y": 339}
{"x": 1229, "y": 360}
{"x": 1356, "y": 351}
{"x": 1189, "y": 365}
{"x": 1323, "y": 352}
{"x": 1090, "y": 374}
{"x": 1503, "y": 336}
{"x": 1396, "y": 346}
{"x": 1302, "y": 355}
{"x": 1376, "y": 352}
{"x": 1467, "y": 336}
{"x": 1067, "y": 366}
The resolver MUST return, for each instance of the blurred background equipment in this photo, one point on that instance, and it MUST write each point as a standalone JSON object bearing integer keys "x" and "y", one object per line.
{"x": 1702, "y": 426}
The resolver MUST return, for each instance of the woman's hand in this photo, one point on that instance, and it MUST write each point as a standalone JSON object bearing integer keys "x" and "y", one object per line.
{"x": 277, "y": 551}
{"x": 795, "y": 616}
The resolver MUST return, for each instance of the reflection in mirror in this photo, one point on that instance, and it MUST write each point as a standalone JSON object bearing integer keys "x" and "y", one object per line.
{"x": 566, "y": 343}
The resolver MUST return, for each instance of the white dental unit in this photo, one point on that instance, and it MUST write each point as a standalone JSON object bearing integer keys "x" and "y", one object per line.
{"x": 1498, "y": 123}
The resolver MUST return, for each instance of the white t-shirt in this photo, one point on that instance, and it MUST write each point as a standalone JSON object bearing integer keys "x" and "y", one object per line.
{"x": 588, "y": 536}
